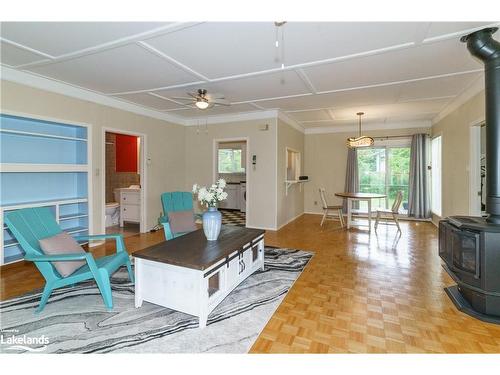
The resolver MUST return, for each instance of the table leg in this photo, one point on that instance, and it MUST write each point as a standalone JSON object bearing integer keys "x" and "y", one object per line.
{"x": 349, "y": 207}
{"x": 369, "y": 214}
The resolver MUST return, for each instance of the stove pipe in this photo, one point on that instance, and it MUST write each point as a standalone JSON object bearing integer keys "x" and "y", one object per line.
{"x": 482, "y": 45}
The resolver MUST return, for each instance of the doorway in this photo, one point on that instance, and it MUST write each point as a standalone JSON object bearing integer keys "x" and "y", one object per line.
{"x": 123, "y": 183}
{"x": 231, "y": 163}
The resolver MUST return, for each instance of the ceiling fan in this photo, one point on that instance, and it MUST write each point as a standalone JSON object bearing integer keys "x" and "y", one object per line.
{"x": 201, "y": 99}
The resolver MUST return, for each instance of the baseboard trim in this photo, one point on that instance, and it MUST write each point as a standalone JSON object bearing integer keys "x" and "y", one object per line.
{"x": 292, "y": 219}
{"x": 263, "y": 228}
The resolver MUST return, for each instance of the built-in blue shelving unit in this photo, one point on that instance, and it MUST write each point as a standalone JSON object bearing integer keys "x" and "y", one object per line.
{"x": 43, "y": 163}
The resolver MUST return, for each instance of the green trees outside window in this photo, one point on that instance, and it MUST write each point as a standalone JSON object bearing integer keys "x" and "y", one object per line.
{"x": 384, "y": 170}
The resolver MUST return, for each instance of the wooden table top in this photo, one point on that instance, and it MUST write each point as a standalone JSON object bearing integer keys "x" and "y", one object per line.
{"x": 360, "y": 195}
{"x": 192, "y": 250}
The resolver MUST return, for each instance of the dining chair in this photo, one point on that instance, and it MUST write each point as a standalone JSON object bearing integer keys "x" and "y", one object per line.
{"x": 329, "y": 210}
{"x": 30, "y": 225}
{"x": 392, "y": 213}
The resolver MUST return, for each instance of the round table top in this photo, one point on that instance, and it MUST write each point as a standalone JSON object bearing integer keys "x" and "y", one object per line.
{"x": 360, "y": 195}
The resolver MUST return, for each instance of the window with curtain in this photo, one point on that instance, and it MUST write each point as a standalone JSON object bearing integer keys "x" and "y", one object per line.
{"x": 384, "y": 170}
{"x": 230, "y": 161}
{"x": 436, "y": 175}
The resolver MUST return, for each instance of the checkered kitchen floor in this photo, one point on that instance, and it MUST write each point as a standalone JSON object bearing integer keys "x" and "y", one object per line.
{"x": 233, "y": 217}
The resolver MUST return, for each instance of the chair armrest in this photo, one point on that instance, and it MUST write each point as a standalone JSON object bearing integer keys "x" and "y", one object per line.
{"x": 120, "y": 244}
{"x": 56, "y": 258}
{"x": 163, "y": 219}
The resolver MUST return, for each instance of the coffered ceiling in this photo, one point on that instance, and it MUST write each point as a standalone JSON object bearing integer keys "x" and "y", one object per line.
{"x": 394, "y": 72}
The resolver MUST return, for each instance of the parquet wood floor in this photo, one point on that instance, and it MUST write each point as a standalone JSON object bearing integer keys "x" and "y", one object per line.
{"x": 360, "y": 293}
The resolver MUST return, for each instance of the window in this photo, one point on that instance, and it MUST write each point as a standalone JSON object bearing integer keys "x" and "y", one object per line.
{"x": 436, "y": 175}
{"x": 384, "y": 170}
{"x": 230, "y": 161}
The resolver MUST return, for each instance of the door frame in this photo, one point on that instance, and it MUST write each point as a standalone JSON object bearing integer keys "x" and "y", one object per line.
{"x": 215, "y": 162}
{"x": 474, "y": 167}
{"x": 142, "y": 172}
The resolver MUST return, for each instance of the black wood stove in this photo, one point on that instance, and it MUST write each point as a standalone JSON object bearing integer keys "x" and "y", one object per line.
{"x": 470, "y": 246}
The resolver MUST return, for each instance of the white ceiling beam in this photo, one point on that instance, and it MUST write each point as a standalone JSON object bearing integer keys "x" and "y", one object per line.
{"x": 164, "y": 56}
{"x": 26, "y": 48}
{"x": 303, "y": 76}
{"x": 165, "y": 98}
{"x": 392, "y": 83}
{"x": 457, "y": 34}
{"x": 167, "y": 29}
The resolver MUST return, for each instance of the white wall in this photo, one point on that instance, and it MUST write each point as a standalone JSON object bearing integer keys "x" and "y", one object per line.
{"x": 261, "y": 180}
{"x": 292, "y": 205}
{"x": 326, "y": 159}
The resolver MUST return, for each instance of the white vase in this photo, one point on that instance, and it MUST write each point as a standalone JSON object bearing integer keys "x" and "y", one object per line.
{"x": 212, "y": 221}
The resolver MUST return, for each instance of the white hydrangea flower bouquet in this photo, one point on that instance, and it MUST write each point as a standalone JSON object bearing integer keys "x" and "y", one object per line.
{"x": 210, "y": 196}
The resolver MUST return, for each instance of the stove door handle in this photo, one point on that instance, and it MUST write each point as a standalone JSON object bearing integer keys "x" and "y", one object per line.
{"x": 478, "y": 260}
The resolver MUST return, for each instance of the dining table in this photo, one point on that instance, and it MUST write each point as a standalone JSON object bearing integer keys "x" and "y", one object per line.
{"x": 351, "y": 197}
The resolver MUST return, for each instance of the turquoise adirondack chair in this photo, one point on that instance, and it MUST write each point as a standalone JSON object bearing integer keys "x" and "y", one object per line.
{"x": 175, "y": 201}
{"x": 32, "y": 224}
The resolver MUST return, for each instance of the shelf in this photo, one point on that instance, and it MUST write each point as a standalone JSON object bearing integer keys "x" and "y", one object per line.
{"x": 71, "y": 216}
{"x": 290, "y": 183}
{"x": 43, "y": 168}
{"x": 76, "y": 230}
{"x": 44, "y": 203}
{"x": 41, "y": 135}
{"x": 9, "y": 243}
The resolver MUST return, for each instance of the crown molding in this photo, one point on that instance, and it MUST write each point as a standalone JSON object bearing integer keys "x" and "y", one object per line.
{"x": 233, "y": 117}
{"x": 36, "y": 81}
{"x": 475, "y": 88}
{"x": 368, "y": 128}
{"x": 291, "y": 122}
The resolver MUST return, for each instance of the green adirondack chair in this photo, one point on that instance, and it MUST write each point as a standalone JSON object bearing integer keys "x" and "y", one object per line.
{"x": 175, "y": 201}
{"x": 29, "y": 225}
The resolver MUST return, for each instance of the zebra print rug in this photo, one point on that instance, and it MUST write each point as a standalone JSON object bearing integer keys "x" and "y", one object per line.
{"x": 76, "y": 321}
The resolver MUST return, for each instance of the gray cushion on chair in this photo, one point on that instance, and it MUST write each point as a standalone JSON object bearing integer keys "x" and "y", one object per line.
{"x": 181, "y": 221}
{"x": 60, "y": 244}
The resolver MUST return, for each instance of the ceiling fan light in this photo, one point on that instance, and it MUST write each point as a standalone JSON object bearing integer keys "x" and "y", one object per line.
{"x": 201, "y": 104}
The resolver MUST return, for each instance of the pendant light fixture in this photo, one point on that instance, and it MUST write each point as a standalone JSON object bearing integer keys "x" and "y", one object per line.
{"x": 361, "y": 140}
{"x": 280, "y": 47}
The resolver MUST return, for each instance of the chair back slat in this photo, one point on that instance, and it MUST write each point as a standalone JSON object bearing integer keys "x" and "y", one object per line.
{"x": 177, "y": 201}
{"x": 322, "y": 194}
{"x": 29, "y": 225}
{"x": 397, "y": 202}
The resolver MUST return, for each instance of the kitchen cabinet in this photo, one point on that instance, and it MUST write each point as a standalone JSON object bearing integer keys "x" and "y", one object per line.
{"x": 233, "y": 197}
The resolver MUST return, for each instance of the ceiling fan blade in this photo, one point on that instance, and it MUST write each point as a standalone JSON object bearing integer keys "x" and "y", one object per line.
{"x": 221, "y": 102}
{"x": 215, "y": 96}
{"x": 180, "y": 98}
{"x": 193, "y": 94}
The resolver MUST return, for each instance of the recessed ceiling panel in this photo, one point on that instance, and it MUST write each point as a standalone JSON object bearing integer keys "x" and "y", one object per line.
{"x": 250, "y": 88}
{"x": 148, "y": 100}
{"x": 218, "y": 49}
{"x": 13, "y": 56}
{"x": 58, "y": 38}
{"x": 121, "y": 69}
{"x": 392, "y": 110}
{"x": 426, "y": 60}
{"x": 439, "y": 87}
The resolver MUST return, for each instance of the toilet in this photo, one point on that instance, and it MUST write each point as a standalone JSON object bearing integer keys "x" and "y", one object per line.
{"x": 113, "y": 211}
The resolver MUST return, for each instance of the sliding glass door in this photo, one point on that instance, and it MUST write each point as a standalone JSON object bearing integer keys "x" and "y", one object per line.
{"x": 384, "y": 170}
